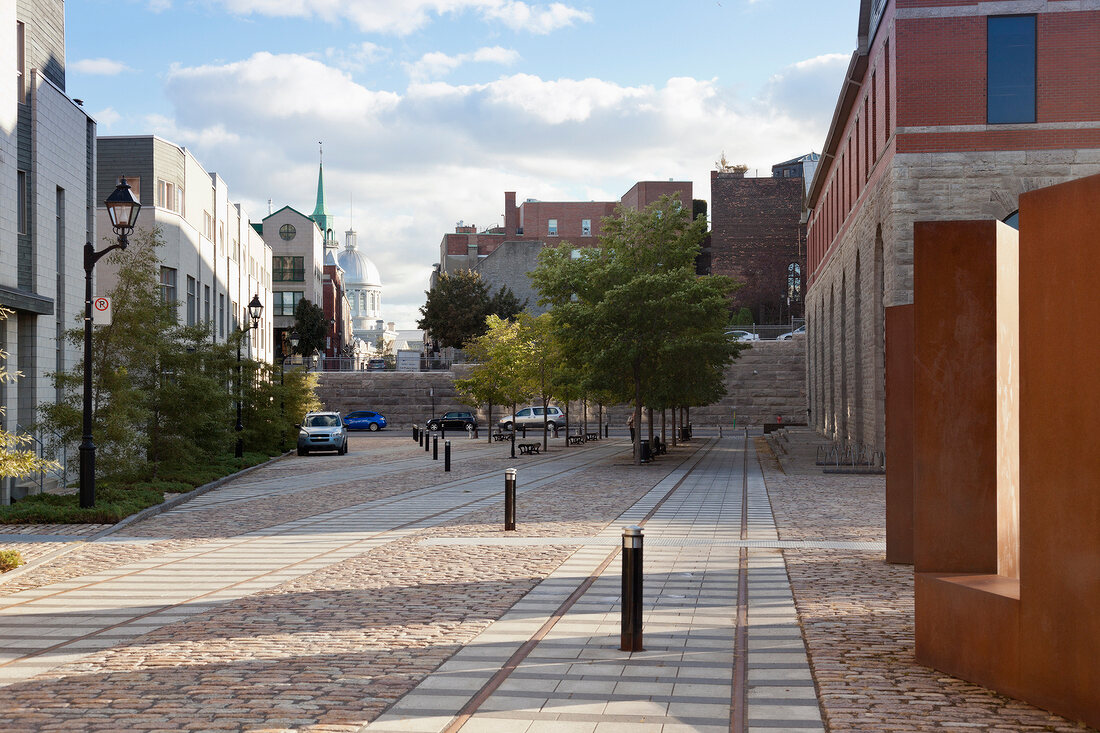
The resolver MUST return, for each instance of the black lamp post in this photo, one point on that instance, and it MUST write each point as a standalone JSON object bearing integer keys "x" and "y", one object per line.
{"x": 295, "y": 339}
{"x": 123, "y": 210}
{"x": 255, "y": 310}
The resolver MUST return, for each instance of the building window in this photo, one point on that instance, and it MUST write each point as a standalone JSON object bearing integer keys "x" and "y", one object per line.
{"x": 236, "y": 250}
{"x": 22, "y": 219}
{"x": 221, "y": 314}
{"x": 192, "y": 300}
{"x": 20, "y": 61}
{"x": 206, "y": 303}
{"x": 586, "y": 227}
{"x": 794, "y": 282}
{"x": 208, "y": 225}
{"x": 168, "y": 285}
{"x": 1010, "y": 68}
{"x": 284, "y": 302}
{"x": 552, "y": 228}
{"x": 288, "y": 269}
{"x": 1013, "y": 219}
{"x": 287, "y": 232}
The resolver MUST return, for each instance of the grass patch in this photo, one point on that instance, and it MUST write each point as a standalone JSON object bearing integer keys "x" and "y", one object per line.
{"x": 114, "y": 503}
{"x": 9, "y": 560}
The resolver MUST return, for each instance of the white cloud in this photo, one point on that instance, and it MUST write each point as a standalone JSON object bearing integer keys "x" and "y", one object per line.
{"x": 158, "y": 6}
{"x": 107, "y": 117}
{"x": 356, "y": 57}
{"x": 436, "y": 64}
{"x": 534, "y": 19}
{"x": 402, "y": 18}
{"x": 419, "y": 159}
{"x": 808, "y": 89}
{"x": 99, "y": 67}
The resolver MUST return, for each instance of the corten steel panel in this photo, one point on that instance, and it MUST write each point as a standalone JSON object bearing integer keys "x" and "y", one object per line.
{"x": 968, "y": 626}
{"x": 955, "y": 486}
{"x": 1059, "y": 455}
{"x": 900, "y": 416}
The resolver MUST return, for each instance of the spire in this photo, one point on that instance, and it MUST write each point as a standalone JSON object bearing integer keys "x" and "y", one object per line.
{"x": 320, "y": 212}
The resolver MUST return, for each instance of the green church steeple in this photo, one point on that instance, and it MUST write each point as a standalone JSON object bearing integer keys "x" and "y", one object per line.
{"x": 320, "y": 212}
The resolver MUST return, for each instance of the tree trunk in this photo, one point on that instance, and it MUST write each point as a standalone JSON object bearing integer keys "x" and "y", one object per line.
{"x": 567, "y": 423}
{"x": 489, "y": 426}
{"x": 637, "y": 412}
{"x": 674, "y": 426}
{"x": 664, "y": 433}
{"x": 514, "y": 429}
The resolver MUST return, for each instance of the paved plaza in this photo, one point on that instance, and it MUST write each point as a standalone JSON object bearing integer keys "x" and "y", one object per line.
{"x": 376, "y": 593}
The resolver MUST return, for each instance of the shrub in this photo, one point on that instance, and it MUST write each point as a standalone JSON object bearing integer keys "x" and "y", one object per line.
{"x": 112, "y": 504}
{"x": 9, "y": 560}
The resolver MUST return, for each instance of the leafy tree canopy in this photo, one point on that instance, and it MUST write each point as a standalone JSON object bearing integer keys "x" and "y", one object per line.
{"x": 456, "y": 308}
{"x": 310, "y": 323}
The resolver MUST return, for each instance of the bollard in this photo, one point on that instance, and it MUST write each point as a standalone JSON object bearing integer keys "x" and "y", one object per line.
{"x": 435, "y": 449}
{"x": 415, "y": 432}
{"x": 631, "y": 637}
{"x": 447, "y": 455}
{"x": 605, "y": 427}
{"x": 524, "y": 428}
{"x": 420, "y": 437}
{"x": 427, "y": 443}
{"x": 443, "y": 431}
{"x": 719, "y": 430}
{"x": 510, "y": 500}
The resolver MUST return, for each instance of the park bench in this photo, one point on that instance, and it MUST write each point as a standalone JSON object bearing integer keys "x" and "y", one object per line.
{"x": 659, "y": 448}
{"x": 502, "y": 435}
{"x": 529, "y": 448}
{"x": 592, "y": 435}
{"x": 575, "y": 439}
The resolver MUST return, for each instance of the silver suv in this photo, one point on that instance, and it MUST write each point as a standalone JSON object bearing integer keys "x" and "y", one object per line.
{"x": 322, "y": 431}
{"x": 532, "y": 417}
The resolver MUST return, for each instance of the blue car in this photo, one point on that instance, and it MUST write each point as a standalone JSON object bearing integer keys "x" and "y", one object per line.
{"x": 364, "y": 420}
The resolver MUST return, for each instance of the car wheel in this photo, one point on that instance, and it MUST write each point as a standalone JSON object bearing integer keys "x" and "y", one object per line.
{"x": 303, "y": 451}
{"x": 507, "y": 426}
{"x": 344, "y": 448}
{"x": 374, "y": 427}
{"x": 551, "y": 425}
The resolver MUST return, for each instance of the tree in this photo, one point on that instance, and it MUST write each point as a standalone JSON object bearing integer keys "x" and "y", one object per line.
{"x": 632, "y": 312}
{"x": 543, "y": 361}
{"x": 15, "y": 461}
{"x": 456, "y": 308}
{"x": 311, "y": 325}
{"x": 501, "y": 375}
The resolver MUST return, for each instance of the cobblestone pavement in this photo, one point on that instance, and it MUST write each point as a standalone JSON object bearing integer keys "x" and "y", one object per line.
{"x": 857, "y": 618}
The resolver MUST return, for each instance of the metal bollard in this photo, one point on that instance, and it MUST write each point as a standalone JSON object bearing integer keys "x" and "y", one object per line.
{"x": 510, "y": 500}
{"x": 427, "y": 443}
{"x": 435, "y": 449}
{"x": 605, "y": 427}
{"x": 446, "y": 455}
{"x": 631, "y": 637}
{"x": 420, "y": 437}
{"x": 524, "y": 428}
{"x": 415, "y": 432}
{"x": 443, "y": 431}
{"x": 719, "y": 430}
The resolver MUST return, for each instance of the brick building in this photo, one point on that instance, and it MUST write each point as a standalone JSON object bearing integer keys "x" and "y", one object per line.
{"x": 758, "y": 237}
{"x": 947, "y": 112}
{"x": 541, "y": 222}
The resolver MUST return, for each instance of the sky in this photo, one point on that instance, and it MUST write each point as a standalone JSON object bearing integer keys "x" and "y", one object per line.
{"x": 430, "y": 110}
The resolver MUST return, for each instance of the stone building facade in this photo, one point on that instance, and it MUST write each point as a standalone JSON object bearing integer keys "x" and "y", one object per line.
{"x": 47, "y": 196}
{"x": 949, "y": 110}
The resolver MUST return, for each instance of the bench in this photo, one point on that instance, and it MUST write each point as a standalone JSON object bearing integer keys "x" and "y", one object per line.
{"x": 592, "y": 435}
{"x": 502, "y": 435}
{"x": 575, "y": 439}
{"x": 529, "y": 448}
{"x": 659, "y": 448}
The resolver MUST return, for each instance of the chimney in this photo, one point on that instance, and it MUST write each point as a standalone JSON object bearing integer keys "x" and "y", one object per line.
{"x": 511, "y": 214}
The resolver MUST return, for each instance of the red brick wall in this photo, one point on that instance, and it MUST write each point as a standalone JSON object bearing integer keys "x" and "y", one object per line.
{"x": 755, "y": 236}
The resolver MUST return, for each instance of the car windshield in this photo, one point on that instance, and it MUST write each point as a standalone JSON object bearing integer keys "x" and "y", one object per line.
{"x": 322, "y": 421}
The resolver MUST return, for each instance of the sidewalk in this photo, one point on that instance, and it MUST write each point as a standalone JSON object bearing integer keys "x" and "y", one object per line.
{"x": 374, "y": 593}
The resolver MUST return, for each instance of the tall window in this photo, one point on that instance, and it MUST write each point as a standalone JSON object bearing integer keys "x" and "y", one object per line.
{"x": 288, "y": 269}
{"x": 284, "y": 302}
{"x": 1010, "y": 68}
{"x": 794, "y": 282}
{"x": 21, "y": 217}
{"x": 192, "y": 301}
{"x": 20, "y": 61}
{"x": 586, "y": 227}
{"x": 206, "y": 303}
{"x": 167, "y": 285}
{"x": 221, "y": 314}
{"x": 552, "y": 228}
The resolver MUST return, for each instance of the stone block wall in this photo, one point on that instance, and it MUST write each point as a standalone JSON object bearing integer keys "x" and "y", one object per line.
{"x": 766, "y": 382}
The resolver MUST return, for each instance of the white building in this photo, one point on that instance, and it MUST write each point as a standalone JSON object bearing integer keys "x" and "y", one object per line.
{"x": 47, "y": 160}
{"x": 213, "y": 261}
{"x": 363, "y": 285}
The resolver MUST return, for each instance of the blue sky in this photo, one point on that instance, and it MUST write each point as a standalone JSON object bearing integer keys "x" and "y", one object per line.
{"x": 431, "y": 109}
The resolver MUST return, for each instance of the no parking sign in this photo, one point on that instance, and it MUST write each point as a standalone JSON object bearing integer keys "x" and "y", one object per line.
{"x": 101, "y": 310}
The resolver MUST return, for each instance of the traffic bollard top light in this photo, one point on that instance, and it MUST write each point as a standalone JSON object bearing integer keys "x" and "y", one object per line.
{"x": 632, "y": 537}
{"x": 510, "y": 473}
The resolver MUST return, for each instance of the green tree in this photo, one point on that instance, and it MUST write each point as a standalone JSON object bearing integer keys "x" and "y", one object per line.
{"x": 311, "y": 325}
{"x": 456, "y": 308}
{"x": 501, "y": 374}
{"x": 15, "y": 460}
{"x": 543, "y": 362}
{"x": 632, "y": 312}
{"x": 504, "y": 304}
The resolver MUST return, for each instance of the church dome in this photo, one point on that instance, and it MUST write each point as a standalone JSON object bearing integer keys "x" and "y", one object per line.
{"x": 359, "y": 271}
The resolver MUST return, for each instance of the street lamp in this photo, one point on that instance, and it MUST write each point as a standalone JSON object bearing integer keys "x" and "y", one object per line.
{"x": 123, "y": 210}
{"x": 295, "y": 339}
{"x": 255, "y": 310}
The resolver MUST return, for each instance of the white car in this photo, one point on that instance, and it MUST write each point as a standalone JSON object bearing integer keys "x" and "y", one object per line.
{"x": 791, "y": 334}
{"x": 532, "y": 417}
{"x": 742, "y": 335}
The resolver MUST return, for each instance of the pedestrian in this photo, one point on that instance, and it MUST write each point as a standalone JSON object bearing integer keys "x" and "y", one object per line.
{"x": 630, "y": 424}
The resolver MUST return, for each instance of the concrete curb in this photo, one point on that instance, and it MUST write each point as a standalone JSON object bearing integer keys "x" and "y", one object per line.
{"x": 133, "y": 518}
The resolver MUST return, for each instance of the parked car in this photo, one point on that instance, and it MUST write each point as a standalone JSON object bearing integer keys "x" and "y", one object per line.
{"x": 376, "y": 365}
{"x": 742, "y": 335}
{"x": 453, "y": 421}
{"x": 791, "y": 334}
{"x": 532, "y": 417}
{"x": 322, "y": 431}
{"x": 364, "y": 420}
